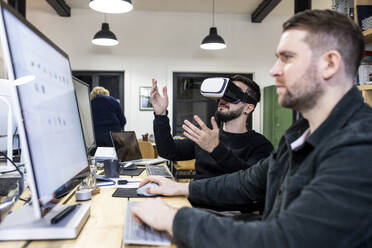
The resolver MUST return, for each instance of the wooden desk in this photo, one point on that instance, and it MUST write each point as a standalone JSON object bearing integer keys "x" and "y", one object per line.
{"x": 15, "y": 244}
{"x": 105, "y": 225}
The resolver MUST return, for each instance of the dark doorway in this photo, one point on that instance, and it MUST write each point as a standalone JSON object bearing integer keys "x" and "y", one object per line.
{"x": 111, "y": 80}
{"x": 189, "y": 102}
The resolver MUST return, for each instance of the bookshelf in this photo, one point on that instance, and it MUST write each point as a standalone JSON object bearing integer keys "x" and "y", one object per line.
{"x": 365, "y": 89}
{"x": 367, "y": 33}
{"x": 366, "y": 93}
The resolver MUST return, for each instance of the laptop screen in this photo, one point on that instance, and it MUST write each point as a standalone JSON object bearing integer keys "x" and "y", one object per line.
{"x": 126, "y": 145}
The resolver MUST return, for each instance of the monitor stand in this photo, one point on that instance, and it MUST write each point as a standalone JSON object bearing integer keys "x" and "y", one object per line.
{"x": 22, "y": 225}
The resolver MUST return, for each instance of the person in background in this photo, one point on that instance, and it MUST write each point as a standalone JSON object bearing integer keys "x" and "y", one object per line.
{"x": 318, "y": 183}
{"x": 107, "y": 115}
{"x": 216, "y": 152}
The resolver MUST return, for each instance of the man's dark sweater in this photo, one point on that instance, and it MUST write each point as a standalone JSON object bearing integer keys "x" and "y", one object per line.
{"x": 234, "y": 152}
{"x": 107, "y": 116}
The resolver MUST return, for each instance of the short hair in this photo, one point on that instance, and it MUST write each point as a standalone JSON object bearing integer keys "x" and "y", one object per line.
{"x": 330, "y": 30}
{"x": 98, "y": 90}
{"x": 253, "y": 88}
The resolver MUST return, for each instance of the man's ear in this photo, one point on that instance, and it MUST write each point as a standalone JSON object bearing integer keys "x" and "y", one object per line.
{"x": 330, "y": 64}
{"x": 248, "y": 109}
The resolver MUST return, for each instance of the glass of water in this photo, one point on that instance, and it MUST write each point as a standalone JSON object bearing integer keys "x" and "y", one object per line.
{"x": 90, "y": 181}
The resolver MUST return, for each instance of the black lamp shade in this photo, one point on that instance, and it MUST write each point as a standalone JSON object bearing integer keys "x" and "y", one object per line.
{"x": 105, "y": 33}
{"x": 105, "y": 37}
{"x": 213, "y": 40}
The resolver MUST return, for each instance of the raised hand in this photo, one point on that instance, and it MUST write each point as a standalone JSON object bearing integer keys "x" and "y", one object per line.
{"x": 159, "y": 103}
{"x": 206, "y": 138}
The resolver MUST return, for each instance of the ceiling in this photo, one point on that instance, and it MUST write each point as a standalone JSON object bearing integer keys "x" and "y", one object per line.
{"x": 221, "y": 6}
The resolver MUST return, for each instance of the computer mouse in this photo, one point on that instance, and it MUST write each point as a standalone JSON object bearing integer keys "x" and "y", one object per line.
{"x": 142, "y": 190}
{"x": 129, "y": 166}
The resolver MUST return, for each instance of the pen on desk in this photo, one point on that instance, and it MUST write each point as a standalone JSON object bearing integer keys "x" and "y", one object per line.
{"x": 63, "y": 214}
{"x": 123, "y": 182}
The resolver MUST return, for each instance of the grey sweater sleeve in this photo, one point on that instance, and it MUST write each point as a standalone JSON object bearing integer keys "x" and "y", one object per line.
{"x": 198, "y": 228}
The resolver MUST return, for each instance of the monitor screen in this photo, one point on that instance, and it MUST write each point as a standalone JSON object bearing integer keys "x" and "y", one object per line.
{"x": 82, "y": 95}
{"x": 126, "y": 145}
{"x": 51, "y": 134}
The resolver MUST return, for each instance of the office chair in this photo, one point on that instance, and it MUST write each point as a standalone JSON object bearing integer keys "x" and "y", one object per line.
{"x": 184, "y": 169}
{"x": 147, "y": 149}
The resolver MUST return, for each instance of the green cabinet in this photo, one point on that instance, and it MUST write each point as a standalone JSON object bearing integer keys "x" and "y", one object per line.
{"x": 276, "y": 118}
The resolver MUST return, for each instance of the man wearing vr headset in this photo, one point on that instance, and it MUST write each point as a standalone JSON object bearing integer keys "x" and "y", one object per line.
{"x": 216, "y": 152}
{"x": 318, "y": 184}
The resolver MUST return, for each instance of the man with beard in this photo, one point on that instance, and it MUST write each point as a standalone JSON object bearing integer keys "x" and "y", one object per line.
{"x": 318, "y": 183}
{"x": 216, "y": 152}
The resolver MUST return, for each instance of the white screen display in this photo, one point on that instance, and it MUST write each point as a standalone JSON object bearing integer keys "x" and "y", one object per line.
{"x": 48, "y": 107}
{"x": 82, "y": 96}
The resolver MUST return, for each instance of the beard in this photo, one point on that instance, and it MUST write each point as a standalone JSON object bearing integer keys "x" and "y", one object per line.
{"x": 228, "y": 116}
{"x": 305, "y": 93}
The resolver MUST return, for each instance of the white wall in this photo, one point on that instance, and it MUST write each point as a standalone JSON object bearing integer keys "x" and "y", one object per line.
{"x": 156, "y": 44}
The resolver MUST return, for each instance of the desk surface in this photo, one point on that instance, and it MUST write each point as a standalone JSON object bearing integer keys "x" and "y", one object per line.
{"x": 104, "y": 227}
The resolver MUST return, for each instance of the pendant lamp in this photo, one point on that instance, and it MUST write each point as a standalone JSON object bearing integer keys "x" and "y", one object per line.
{"x": 213, "y": 41}
{"x": 111, "y": 6}
{"x": 105, "y": 37}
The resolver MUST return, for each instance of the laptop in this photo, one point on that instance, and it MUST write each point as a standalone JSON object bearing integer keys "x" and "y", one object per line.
{"x": 127, "y": 149}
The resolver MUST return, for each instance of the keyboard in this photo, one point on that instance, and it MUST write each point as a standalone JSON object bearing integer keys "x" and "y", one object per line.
{"x": 148, "y": 161}
{"x": 135, "y": 233}
{"x": 157, "y": 170}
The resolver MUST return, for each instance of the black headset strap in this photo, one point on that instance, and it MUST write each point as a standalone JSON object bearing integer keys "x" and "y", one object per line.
{"x": 248, "y": 99}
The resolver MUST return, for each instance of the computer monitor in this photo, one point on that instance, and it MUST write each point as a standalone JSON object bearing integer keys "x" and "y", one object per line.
{"x": 47, "y": 114}
{"x": 82, "y": 92}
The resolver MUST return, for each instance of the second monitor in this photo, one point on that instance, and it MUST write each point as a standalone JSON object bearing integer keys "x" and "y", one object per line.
{"x": 85, "y": 111}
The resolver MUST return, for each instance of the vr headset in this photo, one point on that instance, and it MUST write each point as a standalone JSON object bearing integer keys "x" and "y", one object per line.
{"x": 217, "y": 88}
